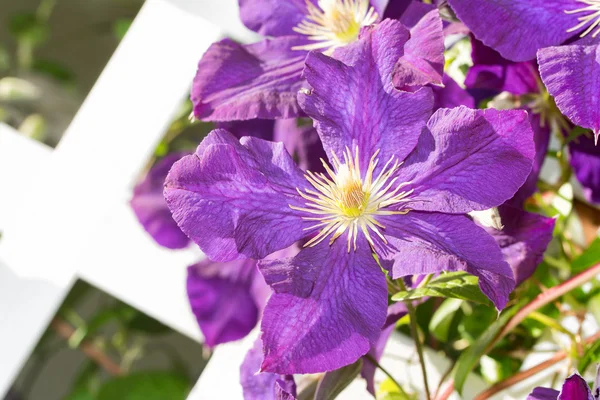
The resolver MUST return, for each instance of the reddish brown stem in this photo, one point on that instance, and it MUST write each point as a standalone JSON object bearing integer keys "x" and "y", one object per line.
{"x": 518, "y": 377}
{"x": 65, "y": 330}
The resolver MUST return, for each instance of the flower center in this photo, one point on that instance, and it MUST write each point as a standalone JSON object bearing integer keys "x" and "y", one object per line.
{"x": 590, "y": 17}
{"x": 345, "y": 200}
{"x": 335, "y": 23}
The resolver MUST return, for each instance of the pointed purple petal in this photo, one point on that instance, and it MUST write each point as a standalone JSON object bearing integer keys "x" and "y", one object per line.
{"x": 264, "y": 385}
{"x": 523, "y": 240}
{"x": 272, "y": 17}
{"x": 423, "y": 59}
{"x": 151, "y": 209}
{"x": 572, "y": 76}
{"x": 585, "y": 160}
{"x": 542, "y": 393}
{"x": 425, "y": 243}
{"x": 220, "y": 295}
{"x": 517, "y": 29}
{"x": 233, "y": 198}
{"x": 334, "y": 323}
{"x": 260, "y": 80}
{"x": 351, "y": 104}
{"x": 302, "y": 142}
{"x": 575, "y": 388}
{"x": 469, "y": 160}
{"x": 368, "y": 368}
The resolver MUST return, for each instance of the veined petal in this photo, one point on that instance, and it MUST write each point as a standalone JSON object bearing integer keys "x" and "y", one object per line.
{"x": 356, "y": 105}
{"x": 151, "y": 209}
{"x": 585, "y": 160}
{"x": 523, "y": 239}
{"x": 423, "y": 59}
{"x": 572, "y": 76}
{"x": 334, "y": 323}
{"x": 575, "y": 388}
{"x": 233, "y": 198}
{"x": 452, "y": 95}
{"x": 302, "y": 142}
{"x": 260, "y": 80}
{"x": 220, "y": 296}
{"x": 424, "y": 243}
{"x": 517, "y": 29}
{"x": 469, "y": 160}
{"x": 273, "y": 17}
{"x": 264, "y": 385}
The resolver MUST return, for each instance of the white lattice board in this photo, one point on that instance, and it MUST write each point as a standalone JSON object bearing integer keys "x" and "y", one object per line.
{"x": 64, "y": 212}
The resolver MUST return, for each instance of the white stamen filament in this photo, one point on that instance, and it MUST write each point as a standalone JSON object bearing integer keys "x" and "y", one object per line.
{"x": 346, "y": 201}
{"x": 335, "y": 23}
{"x": 591, "y": 19}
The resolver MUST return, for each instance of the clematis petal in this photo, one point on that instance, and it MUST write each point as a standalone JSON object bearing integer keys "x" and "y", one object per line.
{"x": 356, "y": 105}
{"x": 302, "y": 142}
{"x": 585, "y": 160}
{"x": 423, "y": 59}
{"x": 408, "y": 12}
{"x": 260, "y": 128}
{"x": 233, "y": 198}
{"x": 575, "y": 388}
{"x": 264, "y": 385}
{"x": 542, "y": 393}
{"x": 368, "y": 368}
{"x": 273, "y": 17}
{"x": 523, "y": 240}
{"x": 260, "y": 80}
{"x": 327, "y": 310}
{"x": 425, "y": 243}
{"x": 151, "y": 209}
{"x": 452, "y": 95}
{"x": 493, "y": 73}
{"x": 572, "y": 75}
{"x": 220, "y": 295}
{"x": 469, "y": 160}
{"x": 517, "y": 29}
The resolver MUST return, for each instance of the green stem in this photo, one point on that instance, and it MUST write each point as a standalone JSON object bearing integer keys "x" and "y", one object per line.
{"x": 415, "y": 334}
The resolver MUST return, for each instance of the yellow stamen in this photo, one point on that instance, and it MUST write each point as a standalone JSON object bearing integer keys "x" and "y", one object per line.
{"x": 346, "y": 201}
{"x": 591, "y": 19}
{"x": 335, "y": 23}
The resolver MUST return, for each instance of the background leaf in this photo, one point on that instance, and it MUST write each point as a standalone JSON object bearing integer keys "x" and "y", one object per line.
{"x": 334, "y": 382}
{"x": 146, "y": 386}
{"x": 457, "y": 285}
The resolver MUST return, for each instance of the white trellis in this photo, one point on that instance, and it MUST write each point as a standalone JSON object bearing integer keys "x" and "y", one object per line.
{"x": 64, "y": 212}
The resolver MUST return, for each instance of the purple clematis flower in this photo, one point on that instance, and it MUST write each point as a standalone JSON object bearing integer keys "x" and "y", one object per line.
{"x": 150, "y": 207}
{"x": 563, "y": 34}
{"x": 574, "y": 388}
{"x": 264, "y": 385}
{"x": 260, "y": 80}
{"x": 518, "y": 85}
{"x": 399, "y": 183}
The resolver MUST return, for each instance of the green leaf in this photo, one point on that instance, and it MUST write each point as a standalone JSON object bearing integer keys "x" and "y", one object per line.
{"x": 470, "y": 357}
{"x": 589, "y": 258}
{"x": 591, "y": 355}
{"x": 441, "y": 321}
{"x": 121, "y": 26}
{"x": 456, "y": 285}
{"x": 59, "y": 72}
{"x": 80, "y": 394}
{"x": 155, "y": 385}
{"x": 334, "y": 382}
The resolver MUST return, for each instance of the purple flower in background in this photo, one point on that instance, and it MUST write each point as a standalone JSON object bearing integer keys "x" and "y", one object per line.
{"x": 563, "y": 34}
{"x": 264, "y": 385}
{"x": 518, "y": 85}
{"x": 574, "y": 388}
{"x": 150, "y": 207}
{"x": 395, "y": 185}
{"x": 260, "y": 80}
{"x": 585, "y": 160}
{"x": 523, "y": 239}
{"x": 226, "y": 298}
